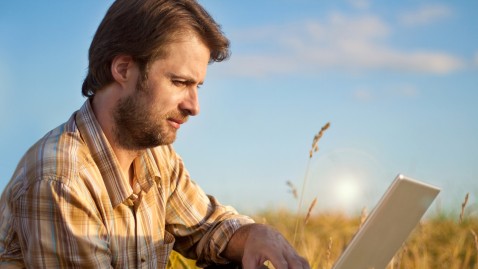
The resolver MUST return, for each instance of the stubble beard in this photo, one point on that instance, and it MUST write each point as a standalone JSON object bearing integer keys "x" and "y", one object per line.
{"x": 138, "y": 125}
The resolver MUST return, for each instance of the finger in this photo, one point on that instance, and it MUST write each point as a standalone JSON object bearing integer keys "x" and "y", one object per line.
{"x": 278, "y": 258}
{"x": 279, "y": 263}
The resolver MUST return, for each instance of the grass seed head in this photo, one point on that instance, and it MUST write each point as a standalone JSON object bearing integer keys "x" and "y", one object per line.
{"x": 311, "y": 207}
{"x": 463, "y": 205}
{"x": 315, "y": 142}
{"x": 292, "y": 189}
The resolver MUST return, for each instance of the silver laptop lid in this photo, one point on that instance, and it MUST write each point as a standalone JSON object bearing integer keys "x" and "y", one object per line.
{"x": 388, "y": 225}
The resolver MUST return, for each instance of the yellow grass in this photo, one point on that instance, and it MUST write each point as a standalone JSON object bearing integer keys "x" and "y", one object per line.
{"x": 438, "y": 242}
{"x": 441, "y": 241}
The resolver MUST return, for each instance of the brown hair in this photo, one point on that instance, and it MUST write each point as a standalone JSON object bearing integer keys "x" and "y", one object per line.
{"x": 141, "y": 29}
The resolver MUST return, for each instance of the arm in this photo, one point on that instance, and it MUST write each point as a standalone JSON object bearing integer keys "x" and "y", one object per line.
{"x": 201, "y": 225}
{"x": 212, "y": 233}
{"x": 57, "y": 228}
{"x": 256, "y": 243}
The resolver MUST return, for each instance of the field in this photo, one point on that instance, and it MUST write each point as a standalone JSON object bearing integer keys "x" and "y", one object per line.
{"x": 444, "y": 240}
{"x": 440, "y": 241}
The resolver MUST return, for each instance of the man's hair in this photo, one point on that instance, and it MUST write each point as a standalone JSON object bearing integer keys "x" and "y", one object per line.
{"x": 142, "y": 29}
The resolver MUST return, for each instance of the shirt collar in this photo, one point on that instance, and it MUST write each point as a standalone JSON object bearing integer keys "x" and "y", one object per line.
{"x": 118, "y": 187}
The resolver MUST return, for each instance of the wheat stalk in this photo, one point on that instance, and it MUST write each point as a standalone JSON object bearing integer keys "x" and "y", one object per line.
{"x": 476, "y": 239}
{"x": 463, "y": 205}
{"x": 292, "y": 189}
{"x": 315, "y": 142}
{"x": 306, "y": 220}
{"x": 328, "y": 253}
{"x": 314, "y": 148}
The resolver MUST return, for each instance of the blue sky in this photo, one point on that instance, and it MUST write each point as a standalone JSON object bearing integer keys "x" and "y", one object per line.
{"x": 397, "y": 80}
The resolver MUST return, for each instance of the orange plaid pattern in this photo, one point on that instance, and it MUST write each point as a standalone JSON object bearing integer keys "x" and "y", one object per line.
{"x": 69, "y": 206}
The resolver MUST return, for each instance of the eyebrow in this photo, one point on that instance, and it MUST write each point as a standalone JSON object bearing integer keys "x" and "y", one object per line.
{"x": 187, "y": 78}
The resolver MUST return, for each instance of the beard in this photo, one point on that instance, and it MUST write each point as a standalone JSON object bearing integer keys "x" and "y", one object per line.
{"x": 140, "y": 125}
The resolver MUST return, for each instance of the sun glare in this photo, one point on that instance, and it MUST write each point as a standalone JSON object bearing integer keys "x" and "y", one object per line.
{"x": 347, "y": 192}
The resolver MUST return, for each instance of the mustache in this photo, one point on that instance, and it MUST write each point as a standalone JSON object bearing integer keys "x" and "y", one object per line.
{"x": 183, "y": 116}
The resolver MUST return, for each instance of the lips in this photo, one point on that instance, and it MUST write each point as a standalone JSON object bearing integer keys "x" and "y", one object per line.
{"x": 176, "y": 123}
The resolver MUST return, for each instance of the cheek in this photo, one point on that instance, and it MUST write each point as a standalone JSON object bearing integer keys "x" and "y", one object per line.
{"x": 164, "y": 97}
{"x": 157, "y": 108}
{"x": 165, "y": 102}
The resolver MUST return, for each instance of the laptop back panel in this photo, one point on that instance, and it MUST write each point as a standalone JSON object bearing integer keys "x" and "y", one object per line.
{"x": 388, "y": 225}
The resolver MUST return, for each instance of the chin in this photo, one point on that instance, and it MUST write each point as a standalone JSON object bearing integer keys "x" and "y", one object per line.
{"x": 166, "y": 139}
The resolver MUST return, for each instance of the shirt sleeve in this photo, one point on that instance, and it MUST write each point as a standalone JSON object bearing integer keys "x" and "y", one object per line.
{"x": 57, "y": 229}
{"x": 201, "y": 225}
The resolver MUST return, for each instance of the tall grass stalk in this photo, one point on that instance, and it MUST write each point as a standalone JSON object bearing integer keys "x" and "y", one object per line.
{"x": 313, "y": 149}
{"x": 463, "y": 205}
{"x": 309, "y": 212}
{"x": 299, "y": 207}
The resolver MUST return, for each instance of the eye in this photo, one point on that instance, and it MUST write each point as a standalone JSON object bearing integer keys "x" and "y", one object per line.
{"x": 179, "y": 83}
{"x": 185, "y": 83}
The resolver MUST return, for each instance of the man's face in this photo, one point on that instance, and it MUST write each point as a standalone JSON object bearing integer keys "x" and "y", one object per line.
{"x": 151, "y": 115}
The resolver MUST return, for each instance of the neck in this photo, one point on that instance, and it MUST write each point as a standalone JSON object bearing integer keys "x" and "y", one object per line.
{"x": 103, "y": 107}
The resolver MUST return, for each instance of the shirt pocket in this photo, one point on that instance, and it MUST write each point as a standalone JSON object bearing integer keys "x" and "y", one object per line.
{"x": 163, "y": 250}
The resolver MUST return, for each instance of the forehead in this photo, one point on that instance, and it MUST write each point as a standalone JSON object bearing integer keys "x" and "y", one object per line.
{"x": 187, "y": 55}
{"x": 177, "y": 38}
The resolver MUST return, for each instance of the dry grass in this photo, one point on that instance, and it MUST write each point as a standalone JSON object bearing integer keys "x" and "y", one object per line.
{"x": 441, "y": 241}
{"x": 463, "y": 206}
{"x": 438, "y": 242}
{"x": 309, "y": 212}
{"x": 314, "y": 148}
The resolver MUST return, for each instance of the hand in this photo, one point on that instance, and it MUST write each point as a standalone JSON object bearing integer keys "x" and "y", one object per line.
{"x": 254, "y": 244}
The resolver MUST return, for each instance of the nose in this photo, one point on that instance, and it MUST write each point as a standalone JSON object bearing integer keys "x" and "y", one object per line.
{"x": 190, "y": 102}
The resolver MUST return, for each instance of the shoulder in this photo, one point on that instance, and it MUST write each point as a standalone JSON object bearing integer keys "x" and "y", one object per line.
{"x": 59, "y": 157}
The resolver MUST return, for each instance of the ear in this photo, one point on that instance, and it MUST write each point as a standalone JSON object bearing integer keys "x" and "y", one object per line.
{"x": 121, "y": 68}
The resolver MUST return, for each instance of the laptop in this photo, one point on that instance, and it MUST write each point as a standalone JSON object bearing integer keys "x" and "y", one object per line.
{"x": 388, "y": 225}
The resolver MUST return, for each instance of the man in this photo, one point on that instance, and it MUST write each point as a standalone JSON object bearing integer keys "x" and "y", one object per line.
{"x": 106, "y": 189}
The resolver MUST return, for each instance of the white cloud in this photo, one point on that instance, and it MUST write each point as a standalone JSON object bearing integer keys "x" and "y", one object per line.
{"x": 363, "y": 95}
{"x": 369, "y": 94}
{"x": 340, "y": 43}
{"x": 425, "y": 15}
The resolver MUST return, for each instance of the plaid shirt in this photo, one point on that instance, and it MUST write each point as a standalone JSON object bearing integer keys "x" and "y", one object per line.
{"x": 69, "y": 206}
